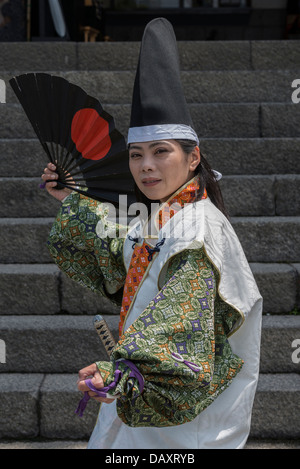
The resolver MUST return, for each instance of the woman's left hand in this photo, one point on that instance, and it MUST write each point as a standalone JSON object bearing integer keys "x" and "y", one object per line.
{"x": 92, "y": 373}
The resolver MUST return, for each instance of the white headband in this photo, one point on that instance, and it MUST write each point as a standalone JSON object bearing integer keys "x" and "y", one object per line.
{"x": 149, "y": 133}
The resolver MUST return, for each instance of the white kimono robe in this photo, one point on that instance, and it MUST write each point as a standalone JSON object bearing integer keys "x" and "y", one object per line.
{"x": 224, "y": 424}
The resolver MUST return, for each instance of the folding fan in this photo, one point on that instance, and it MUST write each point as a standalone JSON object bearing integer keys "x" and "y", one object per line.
{"x": 78, "y": 136}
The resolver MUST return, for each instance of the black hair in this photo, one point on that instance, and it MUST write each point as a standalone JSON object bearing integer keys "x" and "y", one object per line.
{"x": 207, "y": 177}
{"x": 207, "y": 180}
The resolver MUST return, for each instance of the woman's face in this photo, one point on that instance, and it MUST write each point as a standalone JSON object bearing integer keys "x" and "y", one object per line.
{"x": 159, "y": 168}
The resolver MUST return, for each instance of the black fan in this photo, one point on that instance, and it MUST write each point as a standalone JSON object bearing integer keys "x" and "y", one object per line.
{"x": 78, "y": 136}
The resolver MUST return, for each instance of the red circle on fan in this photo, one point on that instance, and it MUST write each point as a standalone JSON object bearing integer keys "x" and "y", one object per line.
{"x": 90, "y": 133}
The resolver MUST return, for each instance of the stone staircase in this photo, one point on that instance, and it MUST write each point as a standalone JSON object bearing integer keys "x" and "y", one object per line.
{"x": 240, "y": 100}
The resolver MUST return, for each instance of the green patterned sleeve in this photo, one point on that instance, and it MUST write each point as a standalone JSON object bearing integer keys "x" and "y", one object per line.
{"x": 180, "y": 347}
{"x": 82, "y": 244}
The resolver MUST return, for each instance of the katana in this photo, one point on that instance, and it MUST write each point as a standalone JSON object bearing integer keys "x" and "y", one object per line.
{"x": 104, "y": 333}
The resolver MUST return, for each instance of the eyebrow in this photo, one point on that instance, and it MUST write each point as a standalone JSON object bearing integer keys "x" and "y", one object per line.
{"x": 151, "y": 145}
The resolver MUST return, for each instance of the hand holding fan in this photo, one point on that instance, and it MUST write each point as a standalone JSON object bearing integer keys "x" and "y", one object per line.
{"x": 78, "y": 136}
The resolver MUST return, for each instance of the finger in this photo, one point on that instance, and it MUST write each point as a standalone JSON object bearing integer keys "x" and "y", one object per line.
{"x": 90, "y": 370}
{"x": 50, "y": 169}
{"x": 81, "y": 386}
{"x": 51, "y": 166}
{"x": 51, "y": 185}
{"x": 51, "y": 175}
{"x": 97, "y": 380}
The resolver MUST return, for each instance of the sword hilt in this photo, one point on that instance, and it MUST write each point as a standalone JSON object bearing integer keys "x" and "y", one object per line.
{"x": 104, "y": 333}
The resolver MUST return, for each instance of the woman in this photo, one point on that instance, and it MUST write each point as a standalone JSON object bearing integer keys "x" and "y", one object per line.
{"x": 185, "y": 369}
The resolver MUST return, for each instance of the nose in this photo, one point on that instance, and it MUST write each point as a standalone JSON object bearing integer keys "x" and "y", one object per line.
{"x": 148, "y": 163}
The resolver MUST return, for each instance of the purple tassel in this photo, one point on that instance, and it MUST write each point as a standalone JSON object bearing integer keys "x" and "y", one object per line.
{"x": 82, "y": 404}
{"x": 103, "y": 391}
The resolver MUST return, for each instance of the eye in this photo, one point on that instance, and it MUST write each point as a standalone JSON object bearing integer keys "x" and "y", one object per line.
{"x": 160, "y": 150}
{"x": 134, "y": 155}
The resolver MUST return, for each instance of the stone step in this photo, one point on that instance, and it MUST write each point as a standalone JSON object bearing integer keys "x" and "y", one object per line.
{"x": 194, "y": 55}
{"x": 251, "y": 86}
{"x": 251, "y": 156}
{"x": 235, "y": 120}
{"x": 276, "y": 410}
{"x": 23, "y": 240}
{"x": 44, "y": 405}
{"x": 243, "y": 196}
{"x": 34, "y": 289}
{"x": 76, "y": 344}
{"x": 256, "y": 444}
{"x": 244, "y": 156}
{"x": 269, "y": 239}
{"x": 264, "y": 239}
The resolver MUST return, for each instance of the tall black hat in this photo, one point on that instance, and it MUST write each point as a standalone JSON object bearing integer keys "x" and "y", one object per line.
{"x": 159, "y": 109}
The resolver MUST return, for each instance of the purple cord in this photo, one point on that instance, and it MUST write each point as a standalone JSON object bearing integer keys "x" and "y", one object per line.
{"x": 191, "y": 365}
{"x": 103, "y": 391}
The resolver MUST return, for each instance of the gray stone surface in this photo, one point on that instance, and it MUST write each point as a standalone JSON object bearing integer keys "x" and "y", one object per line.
{"x": 248, "y": 195}
{"x": 58, "y": 402}
{"x": 278, "y": 335}
{"x": 29, "y": 289}
{"x": 264, "y": 239}
{"x": 272, "y": 444}
{"x": 210, "y": 120}
{"x": 23, "y": 240}
{"x": 38, "y": 56}
{"x": 14, "y": 123}
{"x": 51, "y": 344}
{"x": 238, "y": 86}
{"x": 215, "y": 55}
{"x": 194, "y": 55}
{"x": 19, "y": 405}
{"x": 65, "y": 344}
{"x": 108, "y": 56}
{"x": 220, "y": 120}
{"x": 277, "y": 284}
{"x": 269, "y": 239}
{"x": 287, "y": 191}
{"x": 247, "y": 156}
{"x": 254, "y": 195}
{"x": 297, "y": 270}
{"x": 217, "y": 86}
{"x": 240, "y": 99}
{"x": 22, "y": 158}
{"x": 76, "y": 299}
{"x": 22, "y": 197}
{"x": 280, "y": 120}
{"x": 272, "y": 55}
{"x": 276, "y": 410}
{"x": 38, "y": 444}
{"x": 232, "y": 156}
{"x": 82, "y": 445}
